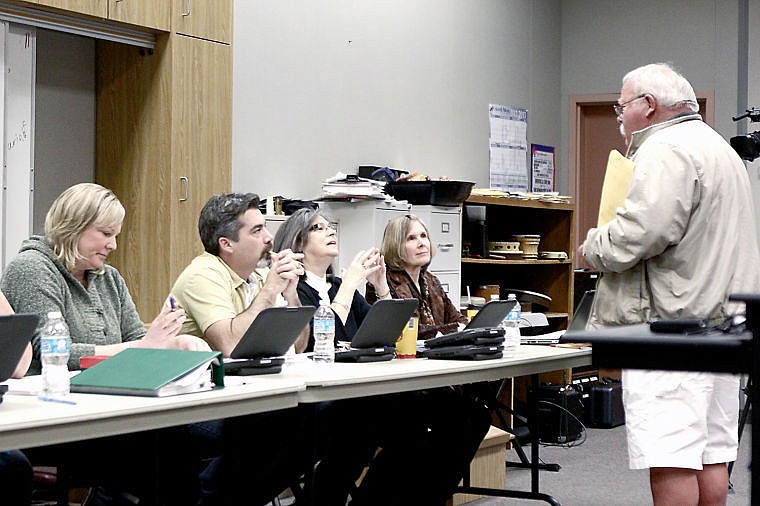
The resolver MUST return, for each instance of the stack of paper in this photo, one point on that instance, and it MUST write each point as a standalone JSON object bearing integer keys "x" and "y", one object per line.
{"x": 342, "y": 185}
{"x": 617, "y": 180}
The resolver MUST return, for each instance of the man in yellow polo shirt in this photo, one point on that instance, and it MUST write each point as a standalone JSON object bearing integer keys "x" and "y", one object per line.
{"x": 222, "y": 291}
{"x": 227, "y": 286}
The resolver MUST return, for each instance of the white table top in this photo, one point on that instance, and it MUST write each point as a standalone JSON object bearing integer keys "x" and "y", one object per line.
{"x": 347, "y": 380}
{"x": 25, "y": 421}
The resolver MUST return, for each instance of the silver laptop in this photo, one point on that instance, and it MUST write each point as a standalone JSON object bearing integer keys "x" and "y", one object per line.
{"x": 577, "y": 322}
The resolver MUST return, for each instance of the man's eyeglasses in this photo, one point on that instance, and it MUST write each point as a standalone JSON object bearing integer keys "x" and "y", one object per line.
{"x": 620, "y": 108}
{"x": 320, "y": 227}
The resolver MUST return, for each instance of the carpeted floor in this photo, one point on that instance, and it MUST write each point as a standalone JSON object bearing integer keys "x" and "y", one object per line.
{"x": 596, "y": 474}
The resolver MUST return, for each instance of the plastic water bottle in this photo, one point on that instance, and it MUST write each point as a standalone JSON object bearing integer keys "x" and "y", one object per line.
{"x": 510, "y": 324}
{"x": 324, "y": 335}
{"x": 55, "y": 344}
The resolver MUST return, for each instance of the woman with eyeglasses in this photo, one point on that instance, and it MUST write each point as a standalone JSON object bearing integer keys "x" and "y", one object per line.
{"x": 309, "y": 232}
{"x": 408, "y": 251}
{"x": 431, "y": 435}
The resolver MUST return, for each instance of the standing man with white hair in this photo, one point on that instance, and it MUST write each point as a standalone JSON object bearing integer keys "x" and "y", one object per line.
{"x": 684, "y": 240}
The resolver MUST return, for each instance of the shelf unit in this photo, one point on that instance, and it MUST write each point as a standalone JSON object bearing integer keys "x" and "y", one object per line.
{"x": 506, "y": 217}
{"x": 554, "y": 222}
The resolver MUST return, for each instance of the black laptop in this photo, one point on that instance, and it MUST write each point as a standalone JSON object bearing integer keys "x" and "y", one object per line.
{"x": 375, "y": 340}
{"x": 261, "y": 349}
{"x": 490, "y": 315}
{"x": 466, "y": 351}
{"x": 483, "y": 330}
{"x": 16, "y": 331}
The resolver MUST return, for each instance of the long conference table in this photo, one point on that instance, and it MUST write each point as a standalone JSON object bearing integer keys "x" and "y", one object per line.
{"x": 26, "y": 421}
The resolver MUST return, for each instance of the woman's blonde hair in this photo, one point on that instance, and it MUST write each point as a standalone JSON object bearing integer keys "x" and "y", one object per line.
{"x": 394, "y": 241}
{"x": 74, "y": 210}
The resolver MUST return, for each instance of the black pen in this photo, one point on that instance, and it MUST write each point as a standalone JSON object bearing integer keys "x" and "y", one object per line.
{"x": 172, "y": 303}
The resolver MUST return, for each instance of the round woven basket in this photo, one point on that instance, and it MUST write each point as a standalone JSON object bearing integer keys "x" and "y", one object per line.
{"x": 528, "y": 245}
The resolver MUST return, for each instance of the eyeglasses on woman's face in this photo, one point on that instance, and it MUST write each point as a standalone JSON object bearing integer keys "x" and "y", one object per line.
{"x": 321, "y": 227}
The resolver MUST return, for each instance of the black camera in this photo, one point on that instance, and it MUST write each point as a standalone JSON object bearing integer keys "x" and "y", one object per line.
{"x": 748, "y": 146}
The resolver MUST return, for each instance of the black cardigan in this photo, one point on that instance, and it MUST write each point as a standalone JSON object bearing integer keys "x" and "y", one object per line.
{"x": 343, "y": 332}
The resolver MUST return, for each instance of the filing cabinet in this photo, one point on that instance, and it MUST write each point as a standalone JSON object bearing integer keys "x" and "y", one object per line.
{"x": 445, "y": 227}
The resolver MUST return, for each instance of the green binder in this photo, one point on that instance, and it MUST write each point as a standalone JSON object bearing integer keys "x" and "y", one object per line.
{"x": 152, "y": 372}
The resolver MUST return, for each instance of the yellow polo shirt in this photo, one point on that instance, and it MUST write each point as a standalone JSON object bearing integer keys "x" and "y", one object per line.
{"x": 210, "y": 291}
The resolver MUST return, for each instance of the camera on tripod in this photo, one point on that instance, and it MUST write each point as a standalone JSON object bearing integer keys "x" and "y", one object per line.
{"x": 748, "y": 146}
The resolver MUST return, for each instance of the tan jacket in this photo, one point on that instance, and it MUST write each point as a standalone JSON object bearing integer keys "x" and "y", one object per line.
{"x": 686, "y": 237}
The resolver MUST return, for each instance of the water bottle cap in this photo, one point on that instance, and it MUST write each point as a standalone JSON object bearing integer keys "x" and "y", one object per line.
{"x": 54, "y": 314}
{"x": 511, "y": 296}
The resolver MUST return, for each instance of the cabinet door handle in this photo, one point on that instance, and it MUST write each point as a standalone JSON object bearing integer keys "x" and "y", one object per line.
{"x": 187, "y": 11}
{"x": 448, "y": 245}
{"x": 186, "y": 185}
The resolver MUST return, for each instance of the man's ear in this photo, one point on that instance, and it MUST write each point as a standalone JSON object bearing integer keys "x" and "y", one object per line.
{"x": 652, "y": 104}
{"x": 225, "y": 245}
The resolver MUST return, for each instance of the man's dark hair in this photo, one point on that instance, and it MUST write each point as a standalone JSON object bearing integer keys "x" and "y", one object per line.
{"x": 219, "y": 218}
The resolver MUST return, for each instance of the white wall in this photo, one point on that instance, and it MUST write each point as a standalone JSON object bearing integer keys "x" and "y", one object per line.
{"x": 603, "y": 39}
{"x": 325, "y": 86}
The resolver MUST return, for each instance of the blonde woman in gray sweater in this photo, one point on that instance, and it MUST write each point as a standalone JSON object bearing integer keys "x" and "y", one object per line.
{"x": 66, "y": 271}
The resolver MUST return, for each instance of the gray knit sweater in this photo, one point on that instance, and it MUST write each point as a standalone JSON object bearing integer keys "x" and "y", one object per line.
{"x": 103, "y": 313}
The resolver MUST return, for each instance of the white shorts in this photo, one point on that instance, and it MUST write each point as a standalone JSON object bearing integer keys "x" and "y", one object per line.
{"x": 680, "y": 419}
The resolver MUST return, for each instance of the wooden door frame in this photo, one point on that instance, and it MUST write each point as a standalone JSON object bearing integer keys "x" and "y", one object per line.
{"x": 577, "y": 102}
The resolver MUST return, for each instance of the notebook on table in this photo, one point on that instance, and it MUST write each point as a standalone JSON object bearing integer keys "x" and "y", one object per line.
{"x": 375, "y": 340}
{"x": 16, "y": 331}
{"x": 152, "y": 372}
{"x": 270, "y": 335}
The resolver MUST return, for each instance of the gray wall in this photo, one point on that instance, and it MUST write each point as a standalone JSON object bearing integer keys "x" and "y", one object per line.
{"x": 330, "y": 85}
{"x": 64, "y": 133}
{"x": 753, "y": 93}
{"x": 411, "y": 89}
{"x": 603, "y": 39}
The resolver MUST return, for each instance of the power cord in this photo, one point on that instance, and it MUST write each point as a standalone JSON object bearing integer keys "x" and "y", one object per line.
{"x": 569, "y": 444}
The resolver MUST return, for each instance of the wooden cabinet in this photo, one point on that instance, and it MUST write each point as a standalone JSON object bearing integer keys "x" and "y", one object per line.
{"x": 98, "y": 8}
{"x": 163, "y": 130}
{"x": 164, "y": 133}
{"x": 201, "y": 137}
{"x": 154, "y": 14}
{"x": 554, "y": 223}
{"x": 207, "y": 19}
{"x": 148, "y": 13}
